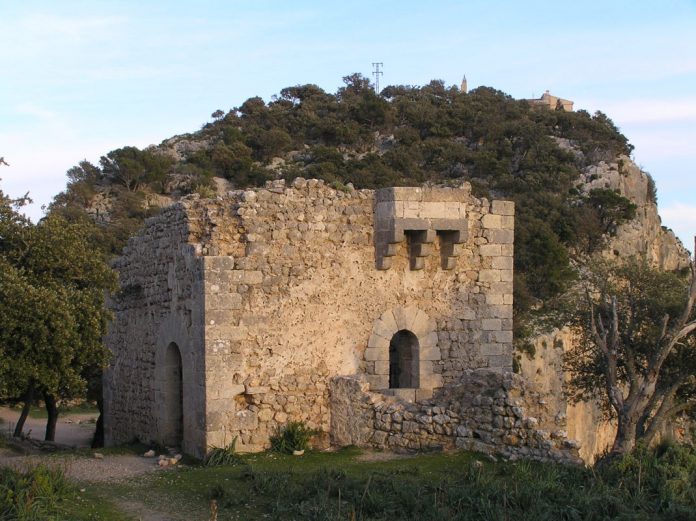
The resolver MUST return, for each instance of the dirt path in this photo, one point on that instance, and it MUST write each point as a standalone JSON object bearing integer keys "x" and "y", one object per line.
{"x": 75, "y": 430}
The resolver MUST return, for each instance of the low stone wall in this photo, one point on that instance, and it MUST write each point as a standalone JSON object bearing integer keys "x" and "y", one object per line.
{"x": 486, "y": 411}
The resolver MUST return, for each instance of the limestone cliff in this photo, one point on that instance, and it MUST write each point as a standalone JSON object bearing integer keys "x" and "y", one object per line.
{"x": 644, "y": 236}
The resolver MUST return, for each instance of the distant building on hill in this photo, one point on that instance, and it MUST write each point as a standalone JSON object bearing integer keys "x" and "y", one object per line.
{"x": 464, "y": 88}
{"x": 551, "y": 102}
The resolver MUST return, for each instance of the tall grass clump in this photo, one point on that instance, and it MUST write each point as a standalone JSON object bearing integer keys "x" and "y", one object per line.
{"x": 223, "y": 455}
{"x": 33, "y": 495}
{"x": 294, "y": 437}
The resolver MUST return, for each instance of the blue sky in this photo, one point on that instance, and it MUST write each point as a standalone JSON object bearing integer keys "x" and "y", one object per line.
{"x": 79, "y": 78}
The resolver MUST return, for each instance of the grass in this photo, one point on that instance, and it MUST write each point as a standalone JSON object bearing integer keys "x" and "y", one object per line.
{"x": 655, "y": 484}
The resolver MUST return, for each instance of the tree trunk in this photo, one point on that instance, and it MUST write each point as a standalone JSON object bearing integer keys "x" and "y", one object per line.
{"x": 98, "y": 440}
{"x": 28, "y": 400}
{"x": 625, "y": 440}
{"x": 52, "y": 420}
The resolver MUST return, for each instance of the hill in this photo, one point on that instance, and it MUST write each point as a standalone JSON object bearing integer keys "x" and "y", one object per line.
{"x": 403, "y": 136}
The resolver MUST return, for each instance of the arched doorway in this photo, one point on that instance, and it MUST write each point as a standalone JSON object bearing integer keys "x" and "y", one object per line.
{"x": 404, "y": 364}
{"x": 173, "y": 433}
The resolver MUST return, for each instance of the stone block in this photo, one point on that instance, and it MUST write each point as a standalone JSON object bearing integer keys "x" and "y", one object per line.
{"x": 227, "y": 332}
{"x": 490, "y": 250}
{"x": 244, "y": 420}
{"x": 502, "y": 263}
{"x": 220, "y": 263}
{"x": 491, "y": 349}
{"x": 423, "y": 394}
{"x": 431, "y": 381}
{"x": 492, "y": 222}
{"x": 490, "y": 324}
{"x": 223, "y": 301}
{"x": 252, "y": 277}
{"x": 501, "y": 336}
{"x": 429, "y": 340}
{"x": 383, "y": 329}
{"x": 489, "y": 276}
{"x": 421, "y": 324}
{"x": 377, "y": 382}
{"x": 375, "y": 354}
{"x": 260, "y": 389}
{"x": 500, "y": 236}
{"x": 389, "y": 321}
{"x": 503, "y": 207}
{"x": 506, "y": 275}
{"x": 430, "y": 353}
{"x": 408, "y": 395}
{"x": 381, "y": 367}
{"x": 508, "y": 222}
{"x": 377, "y": 342}
{"x": 495, "y": 298}
{"x": 219, "y": 317}
{"x": 227, "y": 391}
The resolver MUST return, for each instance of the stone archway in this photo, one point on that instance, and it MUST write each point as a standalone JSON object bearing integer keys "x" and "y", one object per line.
{"x": 419, "y": 347}
{"x": 173, "y": 397}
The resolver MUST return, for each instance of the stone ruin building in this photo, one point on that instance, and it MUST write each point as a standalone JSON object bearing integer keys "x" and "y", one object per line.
{"x": 381, "y": 318}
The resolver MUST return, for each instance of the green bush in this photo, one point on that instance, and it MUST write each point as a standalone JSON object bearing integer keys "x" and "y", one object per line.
{"x": 295, "y": 436}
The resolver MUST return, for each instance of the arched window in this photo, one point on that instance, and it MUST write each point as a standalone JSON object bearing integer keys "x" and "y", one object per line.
{"x": 404, "y": 361}
{"x": 173, "y": 433}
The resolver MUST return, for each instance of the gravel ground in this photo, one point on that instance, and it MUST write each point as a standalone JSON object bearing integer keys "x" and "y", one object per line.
{"x": 75, "y": 430}
{"x": 85, "y": 469}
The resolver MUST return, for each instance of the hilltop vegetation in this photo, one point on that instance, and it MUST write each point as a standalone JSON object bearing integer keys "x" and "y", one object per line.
{"x": 403, "y": 136}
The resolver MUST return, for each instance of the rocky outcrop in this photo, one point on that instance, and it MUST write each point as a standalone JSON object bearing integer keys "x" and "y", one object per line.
{"x": 644, "y": 236}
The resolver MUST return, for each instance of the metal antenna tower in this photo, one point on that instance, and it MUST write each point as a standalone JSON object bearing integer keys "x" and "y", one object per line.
{"x": 376, "y": 73}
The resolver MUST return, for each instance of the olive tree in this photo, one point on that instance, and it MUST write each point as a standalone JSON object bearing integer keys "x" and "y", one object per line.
{"x": 637, "y": 347}
{"x": 52, "y": 311}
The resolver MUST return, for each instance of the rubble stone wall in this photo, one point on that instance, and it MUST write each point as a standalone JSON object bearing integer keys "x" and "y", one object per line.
{"x": 488, "y": 411}
{"x": 159, "y": 302}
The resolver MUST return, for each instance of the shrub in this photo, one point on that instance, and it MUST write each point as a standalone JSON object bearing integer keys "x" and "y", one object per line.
{"x": 295, "y": 436}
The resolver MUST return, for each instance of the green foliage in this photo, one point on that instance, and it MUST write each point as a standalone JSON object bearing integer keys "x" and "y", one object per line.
{"x": 652, "y": 189}
{"x": 52, "y": 312}
{"x": 35, "y": 495}
{"x": 222, "y": 455}
{"x": 404, "y": 136}
{"x": 648, "y": 485}
{"x": 294, "y": 436}
{"x": 636, "y": 346}
{"x": 134, "y": 168}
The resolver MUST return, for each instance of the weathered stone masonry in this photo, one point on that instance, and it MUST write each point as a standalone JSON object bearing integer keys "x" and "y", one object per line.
{"x": 268, "y": 295}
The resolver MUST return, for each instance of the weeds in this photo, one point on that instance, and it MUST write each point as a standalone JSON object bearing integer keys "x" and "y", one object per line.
{"x": 658, "y": 484}
{"x": 294, "y": 437}
{"x": 32, "y": 495}
{"x": 223, "y": 455}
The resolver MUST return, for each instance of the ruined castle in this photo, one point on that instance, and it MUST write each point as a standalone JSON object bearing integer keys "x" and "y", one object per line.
{"x": 381, "y": 318}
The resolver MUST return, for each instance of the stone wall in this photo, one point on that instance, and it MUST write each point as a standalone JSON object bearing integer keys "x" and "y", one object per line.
{"x": 159, "y": 302}
{"x": 278, "y": 290}
{"x": 488, "y": 411}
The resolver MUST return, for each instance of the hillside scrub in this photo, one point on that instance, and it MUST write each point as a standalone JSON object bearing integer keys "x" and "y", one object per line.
{"x": 403, "y": 136}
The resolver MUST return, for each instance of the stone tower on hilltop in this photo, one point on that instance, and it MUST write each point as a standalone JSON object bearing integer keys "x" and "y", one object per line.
{"x": 464, "y": 88}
